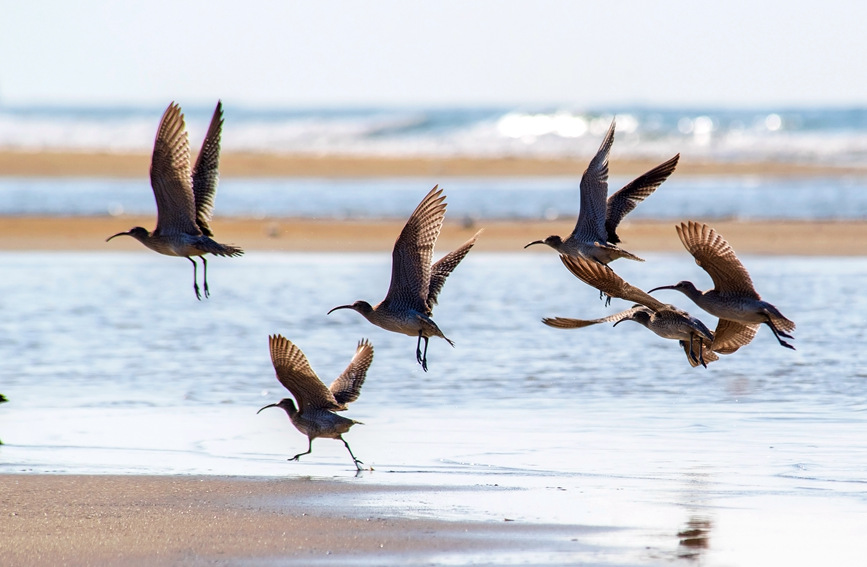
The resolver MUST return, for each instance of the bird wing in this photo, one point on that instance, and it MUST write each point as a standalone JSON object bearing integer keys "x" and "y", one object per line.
{"x": 170, "y": 176}
{"x": 206, "y": 172}
{"x": 605, "y": 280}
{"x": 731, "y": 335}
{"x": 296, "y": 375}
{"x": 413, "y": 251}
{"x": 347, "y": 387}
{"x": 623, "y": 201}
{"x": 444, "y": 266}
{"x": 594, "y": 190}
{"x": 717, "y": 258}
{"x": 566, "y": 323}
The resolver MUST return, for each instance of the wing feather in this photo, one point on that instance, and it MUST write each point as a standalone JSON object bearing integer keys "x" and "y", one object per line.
{"x": 625, "y": 200}
{"x": 594, "y": 191}
{"x": 296, "y": 375}
{"x": 717, "y": 258}
{"x": 444, "y": 266}
{"x": 413, "y": 252}
{"x": 170, "y": 176}
{"x": 347, "y": 387}
{"x": 605, "y": 280}
{"x": 206, "y": 172}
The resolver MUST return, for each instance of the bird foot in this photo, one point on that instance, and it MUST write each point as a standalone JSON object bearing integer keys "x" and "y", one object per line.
{"x": 295, "y": 458}
{"x": 198, "y": 294}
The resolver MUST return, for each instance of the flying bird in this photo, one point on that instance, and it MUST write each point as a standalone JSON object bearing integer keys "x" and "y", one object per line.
{"x": 595, "y": 234}
{"x": 733, "y": 299}
{"x": 185, "y": 199}
{"x": 665, "y": 320}
{"x": 415, "y": 282}
{"x": 314, "y": 416}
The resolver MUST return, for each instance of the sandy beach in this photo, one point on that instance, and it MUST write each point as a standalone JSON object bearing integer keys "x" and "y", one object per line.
{"x": 47, "y": 164}
{"x": 145, "y": 520}
{"x": 843, "y": 238}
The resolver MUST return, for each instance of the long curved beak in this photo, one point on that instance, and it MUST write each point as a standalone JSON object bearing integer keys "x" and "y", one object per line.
{"x": 622, "y": 320}
{"x": 266, "y": 407}
{"x": 116, "y": 235}
{"x": 340, "y": 307}
{"x": 662, "y": 287}
{"x": 534, "y": 242}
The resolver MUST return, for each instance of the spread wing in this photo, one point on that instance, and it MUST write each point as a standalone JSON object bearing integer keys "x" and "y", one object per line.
{"x": 717, "y": 258}
{"x": 594, "y": 191}
{"x": 622, "y": 202}
{"x": 294, "y": 372}
{"x": 731, "y": 335}
{"x": 566, "y": 323}
{"x": 605, "y": 280}
{"x": 170, "y": 176}
{"x": 347, "y": 387}
{"x": 206, "y": 172}
{"x": 444, "y": 266}
{"x": 413, "y": 252}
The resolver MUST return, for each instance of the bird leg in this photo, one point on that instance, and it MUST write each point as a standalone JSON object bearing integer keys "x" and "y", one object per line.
{"x": 205, "y": 264}
{"x": 777, "y": 334}
{"x": 195, "y": 279}
{"x": 607, "y": 298}
{"x": 419, "y": 357}
{"x": 307, "y": 452}
{"x": 700, "y": 349}
{"x": 357, "y": 462}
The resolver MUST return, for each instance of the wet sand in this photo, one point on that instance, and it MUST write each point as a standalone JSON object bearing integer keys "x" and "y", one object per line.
{"x": 142, "y": 520}
{"x": 843, "y": 238}
{"x": 48, "y": 164}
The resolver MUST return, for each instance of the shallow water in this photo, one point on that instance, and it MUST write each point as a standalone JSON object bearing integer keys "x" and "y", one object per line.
{"x": 484, "y": 198}
{"x": 112, "y": 366}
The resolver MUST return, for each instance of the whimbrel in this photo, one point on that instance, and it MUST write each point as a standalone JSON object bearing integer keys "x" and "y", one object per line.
{"x": 317, "y": 403}
{"x": 733, "y": 298}
{"x": 667, "y": 321}
{"x": 415, "y": 283}
{"x": 185, "y": 201}
{"x": 595, "y": 234}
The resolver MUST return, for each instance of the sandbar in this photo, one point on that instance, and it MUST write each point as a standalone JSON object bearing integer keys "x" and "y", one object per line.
{"x": 809, "y": 238}
{"x": 252, "y": 165}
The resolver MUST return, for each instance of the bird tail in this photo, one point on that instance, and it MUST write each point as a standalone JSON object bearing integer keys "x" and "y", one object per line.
{"x": 217, "y": 249}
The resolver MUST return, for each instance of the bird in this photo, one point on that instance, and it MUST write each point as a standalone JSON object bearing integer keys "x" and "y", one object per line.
{"x": 2, "y": 400}
{"x": 733, "y": 299}
{"x": 415, "y": 282}
{"x": 185, "y": 199}
{"x": 665, "y": 320}
{"x": 314, "y": 416}
{"x": 595, "y": 234}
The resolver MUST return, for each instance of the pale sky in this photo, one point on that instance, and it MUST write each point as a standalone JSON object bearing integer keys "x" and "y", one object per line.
{"x": 433, "y": 52}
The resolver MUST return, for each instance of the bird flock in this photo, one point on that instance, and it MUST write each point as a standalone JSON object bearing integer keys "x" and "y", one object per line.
{"x": 185, "y": 203}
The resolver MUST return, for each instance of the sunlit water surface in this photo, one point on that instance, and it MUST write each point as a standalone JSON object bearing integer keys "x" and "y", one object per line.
{"x": 112, "y": 366}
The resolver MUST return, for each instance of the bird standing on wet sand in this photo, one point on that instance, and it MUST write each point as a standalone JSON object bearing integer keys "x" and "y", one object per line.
{"x": 595, "y": 234}
{"x": 667, "y": 321}
{"x": 317, "y": 403}
{"x": 185, "y": 200}
{"x": 415, "y": 283}
{"x": 733, "y": 298}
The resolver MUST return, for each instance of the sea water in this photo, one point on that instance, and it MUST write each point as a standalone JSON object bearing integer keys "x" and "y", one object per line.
{"x": 112, "y": 366}
{"x": 530, "y": 198}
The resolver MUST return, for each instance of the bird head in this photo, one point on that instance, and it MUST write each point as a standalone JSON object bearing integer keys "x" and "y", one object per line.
{"x": 362, "y": 307}
{"x": 137, "y": 232}
{"x": 553, "y": 241}
{"x": 640, "y": 316}
{"x": 286, "y": 403}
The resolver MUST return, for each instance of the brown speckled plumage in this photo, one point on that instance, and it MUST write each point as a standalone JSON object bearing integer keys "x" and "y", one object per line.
{"x": 316, "y": 403}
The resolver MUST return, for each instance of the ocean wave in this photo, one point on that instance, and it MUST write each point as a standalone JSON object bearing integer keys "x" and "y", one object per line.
{"x": 834, "y": 136}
